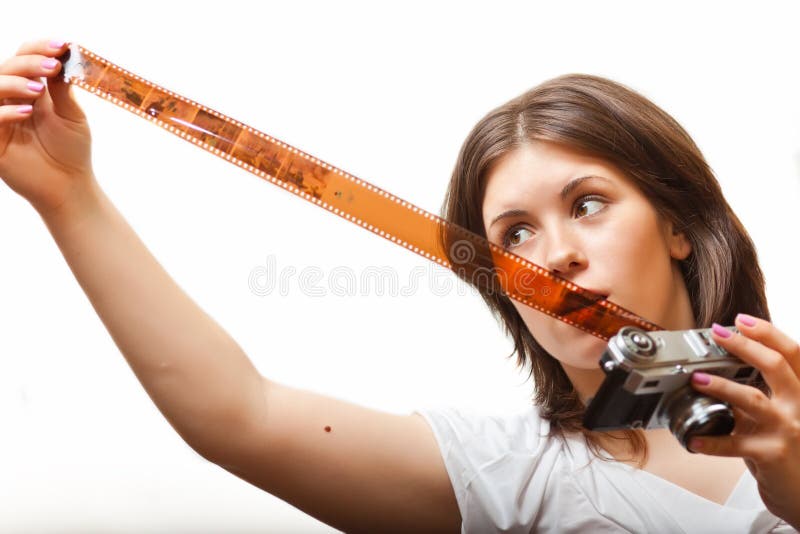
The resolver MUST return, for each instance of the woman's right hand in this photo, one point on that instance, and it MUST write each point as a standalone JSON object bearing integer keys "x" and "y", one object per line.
{"x": 45, "y": 153}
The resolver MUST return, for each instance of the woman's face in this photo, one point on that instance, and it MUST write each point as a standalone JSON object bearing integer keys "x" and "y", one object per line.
{"x": 587, "y": 222}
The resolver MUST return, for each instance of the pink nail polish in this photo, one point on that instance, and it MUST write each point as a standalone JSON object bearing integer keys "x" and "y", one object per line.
{"x": 701, "y": 378}
{"x": 24, "y": 110}
{"x": 49, "y": 63}
{"x": 56, "y": 44}
{"x": 746, "y": 320}
{"x": 721, "y": 331}
{"x": 35, "y": 86}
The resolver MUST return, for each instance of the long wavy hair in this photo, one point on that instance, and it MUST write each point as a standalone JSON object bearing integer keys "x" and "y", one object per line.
{"x": 605, "y": 119}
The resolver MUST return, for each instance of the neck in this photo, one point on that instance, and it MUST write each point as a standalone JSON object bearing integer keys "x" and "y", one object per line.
{"x": 585, "y": 381}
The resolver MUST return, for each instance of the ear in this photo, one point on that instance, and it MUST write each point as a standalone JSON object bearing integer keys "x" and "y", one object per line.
{"x": 679, "y": 245}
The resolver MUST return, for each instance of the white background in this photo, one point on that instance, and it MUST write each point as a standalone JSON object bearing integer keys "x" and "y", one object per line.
{"x": 387, "y": 92}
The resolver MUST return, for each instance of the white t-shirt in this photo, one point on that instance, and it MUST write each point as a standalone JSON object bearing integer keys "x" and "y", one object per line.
{"x": 508, "y": 476}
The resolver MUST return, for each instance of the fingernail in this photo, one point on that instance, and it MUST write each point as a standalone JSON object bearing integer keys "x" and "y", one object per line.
{"x": 56, "y": 44}
{"x": 746, "y": 320}
{"x": 701, "y": 378}
{"x": 721, "y": 331}
{"x": 25, "y": 109}
{"x": 49, "y": 63}
{"x": 35, "y": 86}
{"x": 695, "y": 444}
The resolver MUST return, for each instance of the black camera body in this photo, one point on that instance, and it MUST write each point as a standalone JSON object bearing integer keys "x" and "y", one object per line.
{"x": 647, "y": 383}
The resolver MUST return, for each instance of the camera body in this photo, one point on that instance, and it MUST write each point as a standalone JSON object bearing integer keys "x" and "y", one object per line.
{"x": 647, "y": 383}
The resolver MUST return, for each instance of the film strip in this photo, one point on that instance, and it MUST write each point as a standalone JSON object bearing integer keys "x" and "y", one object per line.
{"x": 467, "y": 254}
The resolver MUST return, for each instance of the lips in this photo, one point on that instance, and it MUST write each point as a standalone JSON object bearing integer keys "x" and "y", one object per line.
{"x": 602, "y": 293}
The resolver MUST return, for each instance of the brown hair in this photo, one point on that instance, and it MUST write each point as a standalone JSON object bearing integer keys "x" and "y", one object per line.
{"x": 605, "y": 119}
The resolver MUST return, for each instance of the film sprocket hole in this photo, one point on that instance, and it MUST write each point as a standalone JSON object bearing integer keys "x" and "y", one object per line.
{"x": 647, "y": 383}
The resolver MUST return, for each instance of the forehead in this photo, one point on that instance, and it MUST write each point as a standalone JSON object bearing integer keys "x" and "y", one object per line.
{"x": 537, "y": 172}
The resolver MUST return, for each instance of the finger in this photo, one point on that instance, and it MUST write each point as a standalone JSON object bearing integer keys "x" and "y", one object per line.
{"x": 19, "y": 87}
{"x": 15, "y": 113}
{"x": 750, "y": 447}
{"x": 750, "y": 465}
{"x": 772, "y": 364}
{"x": 765, "y": 333}
{"x": 44, "y": 47}
{"x": 757, "y": 451}
{"x": 748, "y": 399}
{"x": 744, "y": 423}
{"x": 64, "y": 103}
{"x": 31, "y": 66}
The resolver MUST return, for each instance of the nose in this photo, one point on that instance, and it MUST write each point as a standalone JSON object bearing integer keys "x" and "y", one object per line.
{"x": 563, "y": 254}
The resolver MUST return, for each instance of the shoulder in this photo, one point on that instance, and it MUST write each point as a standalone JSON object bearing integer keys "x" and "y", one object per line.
{"x": 487, "y": 435}
{"x": 473, "y": 443}
{"x": 493, "y": 461}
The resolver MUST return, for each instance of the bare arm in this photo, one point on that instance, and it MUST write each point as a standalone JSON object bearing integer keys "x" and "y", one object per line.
{"x": 354, "y": 468}
{"x": 372, "y": 472}
{"x": 196, "y": 374}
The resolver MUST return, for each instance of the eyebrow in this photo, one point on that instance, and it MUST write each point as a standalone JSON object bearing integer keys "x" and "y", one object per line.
{"x": 569, "y": 188}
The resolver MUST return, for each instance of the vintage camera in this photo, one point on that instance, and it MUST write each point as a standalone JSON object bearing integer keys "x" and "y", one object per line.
{"x": 647, "y": 383}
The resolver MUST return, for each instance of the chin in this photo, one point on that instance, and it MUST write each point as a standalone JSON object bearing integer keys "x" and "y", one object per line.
{"x": 571, "y": 345}
{"x": 590, "y": 353}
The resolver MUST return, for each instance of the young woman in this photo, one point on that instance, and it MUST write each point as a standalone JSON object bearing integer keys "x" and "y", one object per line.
{"x": 581, "y": 176}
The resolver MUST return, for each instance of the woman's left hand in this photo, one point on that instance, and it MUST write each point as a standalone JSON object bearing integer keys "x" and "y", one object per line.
{"x": 767, "y": 431}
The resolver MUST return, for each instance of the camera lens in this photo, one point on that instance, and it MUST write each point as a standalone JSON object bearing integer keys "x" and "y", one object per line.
{"x": 691, "y": 414}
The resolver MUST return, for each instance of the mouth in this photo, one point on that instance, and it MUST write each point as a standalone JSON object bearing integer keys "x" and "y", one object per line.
{"x": 603, "y": 294}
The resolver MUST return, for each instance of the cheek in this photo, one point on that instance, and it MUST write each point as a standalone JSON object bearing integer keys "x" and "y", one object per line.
{"x": 638, "y": 267}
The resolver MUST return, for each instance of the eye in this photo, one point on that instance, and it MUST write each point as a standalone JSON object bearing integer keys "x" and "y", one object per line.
{"x": 514, "y": 236}
{"x": 588, "y": 205}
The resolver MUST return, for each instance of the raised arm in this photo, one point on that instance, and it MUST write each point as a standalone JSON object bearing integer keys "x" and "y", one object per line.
{"x": 371, "y": 471}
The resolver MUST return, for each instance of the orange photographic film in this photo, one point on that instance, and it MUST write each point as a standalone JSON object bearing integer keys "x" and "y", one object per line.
{"x": 468, "y": 255}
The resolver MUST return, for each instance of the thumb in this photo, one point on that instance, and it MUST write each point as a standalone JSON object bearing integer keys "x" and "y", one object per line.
{"x": 64, "y": 103}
